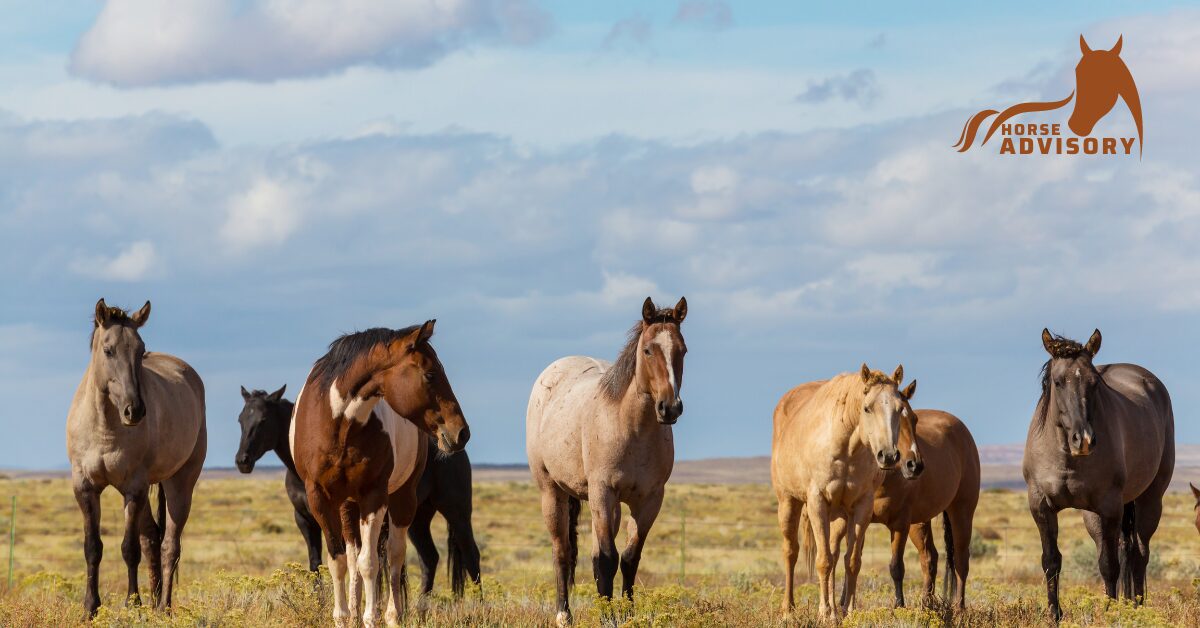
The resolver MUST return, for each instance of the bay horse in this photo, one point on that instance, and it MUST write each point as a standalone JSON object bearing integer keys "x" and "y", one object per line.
{"x": 602, "y": 432}
{"x": 832, "y": 443}
{"x": 1196, "y": 494}
{"x": 1102, "y": 440}
{"x": 1101, "y": 76}
{"x": 361, "y": 459}
{"x": 907, "y": 502}
{"x": 137, "y": 419}
{"x": 445, "y": 487}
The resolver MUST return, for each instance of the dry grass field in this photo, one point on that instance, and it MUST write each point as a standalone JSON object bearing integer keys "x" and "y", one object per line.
{"x": 712, "y": 559}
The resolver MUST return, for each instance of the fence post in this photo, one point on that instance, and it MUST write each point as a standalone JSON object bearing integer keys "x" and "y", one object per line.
{"x": 683, "y": 545}
{"x": 12, "y": 539}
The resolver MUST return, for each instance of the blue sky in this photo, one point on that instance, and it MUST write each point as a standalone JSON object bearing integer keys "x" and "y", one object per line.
{"x": 528, "y": 172}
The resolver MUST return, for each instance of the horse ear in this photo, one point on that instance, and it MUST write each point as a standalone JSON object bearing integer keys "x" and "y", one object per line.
{"x": 1047, "y": 340}
{"x": 681, "y": 310}
{"x": 1116, "y": 49}
{"x": 101, "y": 312}
{"x": 426, "y": 331}
{"x": 141, "y": 316}
{"x": 898, "y": 376}
{"x": 1093, "y": 343}
{"x": 278, "y": 394}
{"x": 908, "y": 392}
{"x": 648, "y": 311}
{"x": 1083, "y": 47}
{"x": 245, "y": 393}
{"x": 866, "y": 373}
{"x": 1195, "y": 491}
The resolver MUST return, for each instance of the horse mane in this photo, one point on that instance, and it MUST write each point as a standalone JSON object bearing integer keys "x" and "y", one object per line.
{"x": 846, "y": 392}
{"x": 616, "y": 380}
{"x": 347, "y": 348}
{"x": 116, "y": 316}
{"x": 1060, "y": 347}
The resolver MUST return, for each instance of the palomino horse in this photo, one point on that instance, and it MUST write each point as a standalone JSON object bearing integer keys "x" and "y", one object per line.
{"x": 137, "y": 419}
{"x": 1100, "y": 77}
{"x": 264, "y": 420}
{"x": 832, "y": 442}
{"x": 601, "y": 431}
{"x": 1102, "y": 440}
{"x": 361, "y": 459}
{"x": 906, "y": 503}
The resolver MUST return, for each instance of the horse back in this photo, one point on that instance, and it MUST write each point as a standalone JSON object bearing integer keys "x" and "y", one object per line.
{"x": 1143, "y": 418}
{"x": 952, "y": 471}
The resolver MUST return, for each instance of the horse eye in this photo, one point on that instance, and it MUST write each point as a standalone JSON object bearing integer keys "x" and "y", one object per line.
{"x": 108, "y": 351}
{"x": 429, "y": 376}
{"x": 866, "y": 408}
{"x": 646, "y": 351}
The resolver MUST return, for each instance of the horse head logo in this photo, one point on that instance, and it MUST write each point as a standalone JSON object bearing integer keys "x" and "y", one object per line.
{"x": 1100, "y": 77}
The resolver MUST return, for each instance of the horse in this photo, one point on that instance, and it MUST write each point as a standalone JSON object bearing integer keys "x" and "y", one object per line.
{"x": 445, "y": 488}
{"x": 907, "y": 502}
{"x": 1196, "y": 494}
{"x": 1100, "y": 77}
{"x": 1102, "y": 440}
{"x": 602, "y": 432}
{"x": 264, "y": 419}
{"x": 361, "y": 459}
{"x": 831, "y": 444}
{"x": 137, "y": 419}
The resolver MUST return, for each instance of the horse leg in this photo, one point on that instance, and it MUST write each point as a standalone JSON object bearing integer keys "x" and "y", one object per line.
{"x": 1046, "y": 519}
{"x": 818, "y": 519}
{"x": 308, "y": 526}
{"x": 899, "y": 539}
{"x": 460, "y": 541}
{"x": 790, "y": 510}
{"x": 401, "y": 511}
{"x": 131, "y": 551}
{"x": 554, "y": 515}
{"x": 641, "y": 517}
{"x": 329, "y": 517}
{"x": 1105, "y": 531}
{"x": 150, "y": 535}
{"x": 1148, "y": 509}
{"x": 88, "y": 496}
{"x": 856, "y": 537}
{"x": 350, "y": 515}
{"x": 422, "y": 541}
{"x": 961, "y": 525}
{"x": 922, "y": 539}
{"x": 368, "y": 562}
{"x": 177, "y": 491}
{"x": 603, "y": 502}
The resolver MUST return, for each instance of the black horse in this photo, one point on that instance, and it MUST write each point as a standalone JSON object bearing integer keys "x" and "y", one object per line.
{"x": 445, "y": 488}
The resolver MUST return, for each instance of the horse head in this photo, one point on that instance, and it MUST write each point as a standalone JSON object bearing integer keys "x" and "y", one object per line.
{"x": 660, "y": 351}
{"x": 1100, "y": 77}
{"x": 260, "y": 432}
{"x": 1069, "y": 380}
{"x": 884, "y": 411}
{"x": 415, "y": 385}
{"x": 117, "y": 352}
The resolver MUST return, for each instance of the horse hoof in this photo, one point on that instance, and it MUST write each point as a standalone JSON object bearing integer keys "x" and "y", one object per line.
{"x": 563, "y": 619}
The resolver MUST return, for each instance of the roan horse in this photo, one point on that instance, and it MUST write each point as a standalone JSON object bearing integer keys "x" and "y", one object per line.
{"x": 1102, "y": 440}
{"x": 1100, "y": 77}
{"x": 137, "y": 419}
{"x": 832, "y": 442}
{"x": 907, "y": 502}
{"x": 361, "y": 459}
{"x": 602, "y": 432}
{"x": 445, "y": 487}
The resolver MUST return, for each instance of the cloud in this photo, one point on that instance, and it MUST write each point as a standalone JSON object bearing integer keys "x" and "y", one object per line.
{"x": 136, "y": 262}
{"x": 878, "y": 41}
{"x": 631, "y": 32}
{"x": 706, "y": 14}
{"x": 264, "y": 215}
{"x": 136, "y": 43}
{"x": 859, "y": 86}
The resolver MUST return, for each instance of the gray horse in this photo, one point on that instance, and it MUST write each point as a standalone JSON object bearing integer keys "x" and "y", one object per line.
{"x": 1102, "y": 441}
{"x": 137, "y": 419}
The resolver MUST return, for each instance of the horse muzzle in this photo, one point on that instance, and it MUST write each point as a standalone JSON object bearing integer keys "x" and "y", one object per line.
{"x": 887, "y": 459}
{"x": 457, "y": 444}
{"x": 668, "y": 413}
{"x": 244, "y": 463}
{"x": 1082, "y": 443}
{"x": 912, "y": 468}
{"x": 133, "y": 414}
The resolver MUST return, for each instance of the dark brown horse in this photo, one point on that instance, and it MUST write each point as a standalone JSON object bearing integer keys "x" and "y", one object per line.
{"x": 357, "y": 441}
{"x": 1102, "y": 440}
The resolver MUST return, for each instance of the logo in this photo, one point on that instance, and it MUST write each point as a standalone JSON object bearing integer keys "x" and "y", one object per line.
{"x": 1100, "y": 77}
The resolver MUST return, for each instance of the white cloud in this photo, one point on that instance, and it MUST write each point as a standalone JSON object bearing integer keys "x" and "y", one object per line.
{"x": 710, "y": 14}
{"x": 263, "y": 215}
{"x": 136, "y": 262}
{"x": 145, "y": 42}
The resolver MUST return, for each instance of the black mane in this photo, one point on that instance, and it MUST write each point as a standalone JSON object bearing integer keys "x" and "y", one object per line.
{"x": 1061, "y": 347}
{"x": 349, "y": 347}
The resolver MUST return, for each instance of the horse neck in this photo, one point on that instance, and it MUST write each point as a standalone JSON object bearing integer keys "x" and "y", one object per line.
{"x": 635, "y": 409}
{"x": 102, "y": 414}
{"x": 283, "y": 449}
{"x": 847, "y": 434}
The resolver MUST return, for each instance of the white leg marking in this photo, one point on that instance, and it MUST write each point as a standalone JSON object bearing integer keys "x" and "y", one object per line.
{"x": 397, "y": 552}
{"x": 337, "y": 572}
{"x": 368, "y": 564}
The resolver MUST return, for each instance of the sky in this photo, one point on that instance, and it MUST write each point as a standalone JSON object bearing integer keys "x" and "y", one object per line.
{"x": 271, "y": 175}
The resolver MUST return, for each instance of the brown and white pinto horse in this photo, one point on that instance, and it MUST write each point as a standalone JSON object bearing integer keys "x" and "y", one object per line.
{"x": 361, "y": 459}
{"x": 602, "y": 432}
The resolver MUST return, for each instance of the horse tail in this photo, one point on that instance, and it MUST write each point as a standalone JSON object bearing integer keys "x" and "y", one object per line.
{"x": 456, "y": 568}
{"x": 573, "y": 507}
{"x": 967, "y": 137}
{"x": 808, "y": 542}
{"x": 949, "y": 582}
{"x": 1126, "y": 555}
{"x": 1025, "y": 107}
